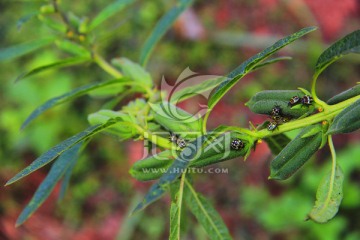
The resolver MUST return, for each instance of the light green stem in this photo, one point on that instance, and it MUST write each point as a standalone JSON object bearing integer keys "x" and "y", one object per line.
{"x": 106, "y": 66}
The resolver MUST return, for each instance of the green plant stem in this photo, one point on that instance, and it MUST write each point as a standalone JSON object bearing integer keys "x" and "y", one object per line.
{"x": 313, "y": 91}
{"x": 180, "y": 199}
{"x": 106, "y": 66}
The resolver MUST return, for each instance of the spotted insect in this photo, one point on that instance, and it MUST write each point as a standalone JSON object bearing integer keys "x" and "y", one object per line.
{"x": 281, "y": 119}
{"x": 175, "y": 138}
{"x": 272, "y": 125}
{"x": 306, "y": 100}
{"x": 237, "y": 144}
{"x": 276, "y": 111}
{"x": 294, "y": 100}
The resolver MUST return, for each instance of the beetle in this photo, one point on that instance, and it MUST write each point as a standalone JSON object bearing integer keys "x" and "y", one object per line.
{"x": 294, "y": 100}
{"x": 276, "y": 111}
{"x": 306, "y": 100}
{"x": 272, "y": 125}
{"x": 237, "y": 144}
{"x": 175, "y": 138}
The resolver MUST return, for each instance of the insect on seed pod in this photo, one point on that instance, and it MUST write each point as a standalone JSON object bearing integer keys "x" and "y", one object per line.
{"x": 293, "y": 101}
{"x": 272, "y": 125}
{"x": 237, "y": 144}
{"x": 307, "y": 100}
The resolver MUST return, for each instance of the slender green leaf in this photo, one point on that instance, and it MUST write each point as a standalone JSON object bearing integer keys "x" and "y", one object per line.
{"x": 352, "y": 92}
{"x": 59, "y": 64}
{"x": 56, "y": 172}
{"x": 348, "y": 44}
{"x": 23, "y": 48}
{"x": 73, "y": 48}
{"x": 251, "y": 63}
{"x": 53, "y": 24}
{"x": 271, "y": 61}
{"x": 108, "y": 12}
{"x": 328, "y": 196}
{"x": 206, "y": 214}
{"x": 60, "y": 148}
{"x": 175, "y": 211}
{"x": 175, "y": 119}
{"x": 160, "y": 29}
{"x": 69, "y": 96}
{"x": 67, "y": 175}
{"x": 25, "y": 19}
{"x": 348, "y": 120}
{"x": 133, "y": 71}
{"x": 277, "y": 143}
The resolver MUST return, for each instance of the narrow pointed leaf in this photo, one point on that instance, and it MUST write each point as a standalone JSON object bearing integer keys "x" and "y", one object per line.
{"x": 348, "y": 44}
{"x": 160, "y": 29}
{"x": 251, "y": 63}
{"x": 271, "y": 61}
{"x": 175, "y": 211}
{"x": 67, "y": 175}
{"x": 69, "y": 96}
{"x": 59, "y": 64}
{"x": 23, "y": 48}
{"x": 73, "y": 48}
{"x": 133, "y": 71}
{"x": 328, "y": 197}
{"x": 352, "y": 92}
{"x": 59, "y": 149}
{"x": 108, "y": 12}
{"x": 348, "y": 120}
{"x": 56, "y": 172}
{"x": 205, "y": 213}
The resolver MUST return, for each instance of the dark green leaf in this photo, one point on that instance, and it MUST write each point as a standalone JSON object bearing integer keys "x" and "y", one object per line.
{"x": 295, "y": 154}
{"x": 276, "y": 143}
{"x": 271, "y": 61}
{"x": 133, "y": 71}
{"x": 352, "y": 92}
{"x": 348, "y": 120}
{"x": 206, "y": 214}
{"x": 108, "y": 12}
{"x": 328, "y": 196}
{"x": 59, "y": 149}
{"x": 56, "y": 172}
{"x": 59, "y": 64}
{"x": 348, "y": 44}
{"x": 23, "y": 48}
{"x": 251, "y": 63}
{"x": 69, "y": 96}
{"x": 160, "y": 29}
{"x": 175, "y": 211}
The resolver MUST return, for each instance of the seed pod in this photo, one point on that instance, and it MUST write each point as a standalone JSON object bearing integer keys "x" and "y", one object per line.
{"x": 347, "y": 120}
{"x": 352, "y": 92}
{"x": 218, "y": 150}
{"x": 265, "y": 101}
{"x": 296, "y": 153}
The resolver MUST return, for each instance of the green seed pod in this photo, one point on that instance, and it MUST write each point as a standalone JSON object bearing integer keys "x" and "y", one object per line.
{"x": 175, "y": 119}
{"x": 347, "y": 120}
{"x": 264, "y": 101}
{"x": 152, "y": 167}
{"x": 352, "y": 92}
{"x": 218, "y": 150}
{"x": 296, "y": 153}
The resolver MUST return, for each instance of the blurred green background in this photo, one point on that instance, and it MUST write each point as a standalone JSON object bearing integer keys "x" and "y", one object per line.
{"x": 212, "y": 37}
